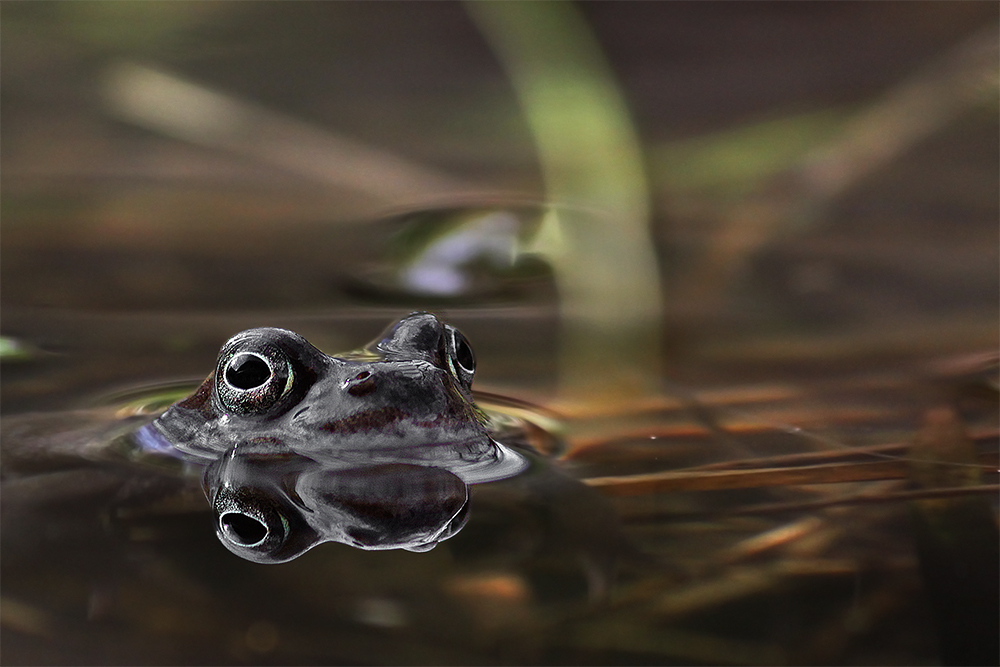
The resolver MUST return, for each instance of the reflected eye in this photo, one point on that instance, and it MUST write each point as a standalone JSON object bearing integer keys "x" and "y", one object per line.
{"x": 246, "y": 371}
{"x": 254, "y": 523}
{"x": 243, "y": 530}
{"x": 253, "y": 380}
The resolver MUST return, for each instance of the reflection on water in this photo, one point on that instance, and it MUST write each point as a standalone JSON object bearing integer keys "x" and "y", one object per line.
{"x": 807, "y": 517}
{"x": 373, "y": 448}
{"x": 119, "y": 495}
{"x": 756, "y": 525}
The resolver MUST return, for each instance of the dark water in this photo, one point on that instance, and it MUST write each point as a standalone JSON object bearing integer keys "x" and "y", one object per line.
{"x": 810, "y": 479}
{"x": 111, "y": 563}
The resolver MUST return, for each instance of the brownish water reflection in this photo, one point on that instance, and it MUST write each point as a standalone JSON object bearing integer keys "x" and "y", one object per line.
{"x": 745, "y": 540}
{"x": 756, "y": 532}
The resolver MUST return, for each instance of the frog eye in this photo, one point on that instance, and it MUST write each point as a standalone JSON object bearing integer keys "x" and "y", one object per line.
{"x": 247, "y": 371}
{"x": 461, "y": 359}
{"x": 463, "y": 352}
{"x": 252, "y": 381}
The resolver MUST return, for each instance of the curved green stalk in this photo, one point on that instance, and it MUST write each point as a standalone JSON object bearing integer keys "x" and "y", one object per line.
{"x": 597, "y": 236}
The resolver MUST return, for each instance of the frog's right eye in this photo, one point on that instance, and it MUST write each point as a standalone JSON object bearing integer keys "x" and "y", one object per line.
{"x": 461, "y": 359}
{"x": 251, "y": 381}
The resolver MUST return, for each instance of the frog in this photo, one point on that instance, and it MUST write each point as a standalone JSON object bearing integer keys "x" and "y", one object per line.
{"x": 374, "y": 448}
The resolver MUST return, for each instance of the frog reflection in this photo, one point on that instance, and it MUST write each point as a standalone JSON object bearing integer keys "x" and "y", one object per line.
{"x": 374, "y": 448}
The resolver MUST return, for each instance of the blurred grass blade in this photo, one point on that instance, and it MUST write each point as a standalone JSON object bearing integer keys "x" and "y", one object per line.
{"x": 887, "y": 129}
{"x": 592, "y": 165}
{"x": 179, "y": 108}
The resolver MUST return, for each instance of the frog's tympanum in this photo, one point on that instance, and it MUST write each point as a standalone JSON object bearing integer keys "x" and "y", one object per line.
{"x": 374, "y": 448}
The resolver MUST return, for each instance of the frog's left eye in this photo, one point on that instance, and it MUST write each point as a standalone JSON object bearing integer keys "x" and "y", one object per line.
{"x": 251, "y": 381}
{"x": 248, "y": 371}
{"x": 460, "y": 357}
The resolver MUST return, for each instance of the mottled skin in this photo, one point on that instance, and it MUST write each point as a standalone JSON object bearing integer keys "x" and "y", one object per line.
{"x": 373, "y": 448}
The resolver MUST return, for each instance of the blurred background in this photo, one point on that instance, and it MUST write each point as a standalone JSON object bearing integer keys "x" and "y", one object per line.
{"x": 608, "y": 198}
{"x": 804, "y": 170}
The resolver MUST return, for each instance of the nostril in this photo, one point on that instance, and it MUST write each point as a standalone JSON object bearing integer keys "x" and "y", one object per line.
{"x": 243, "y": 530}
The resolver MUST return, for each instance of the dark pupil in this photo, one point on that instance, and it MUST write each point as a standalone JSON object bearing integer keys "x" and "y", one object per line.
{"x": 463, "y": 351}
{"x": 244, "y": 530}
{"x": 247, "y": 371}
